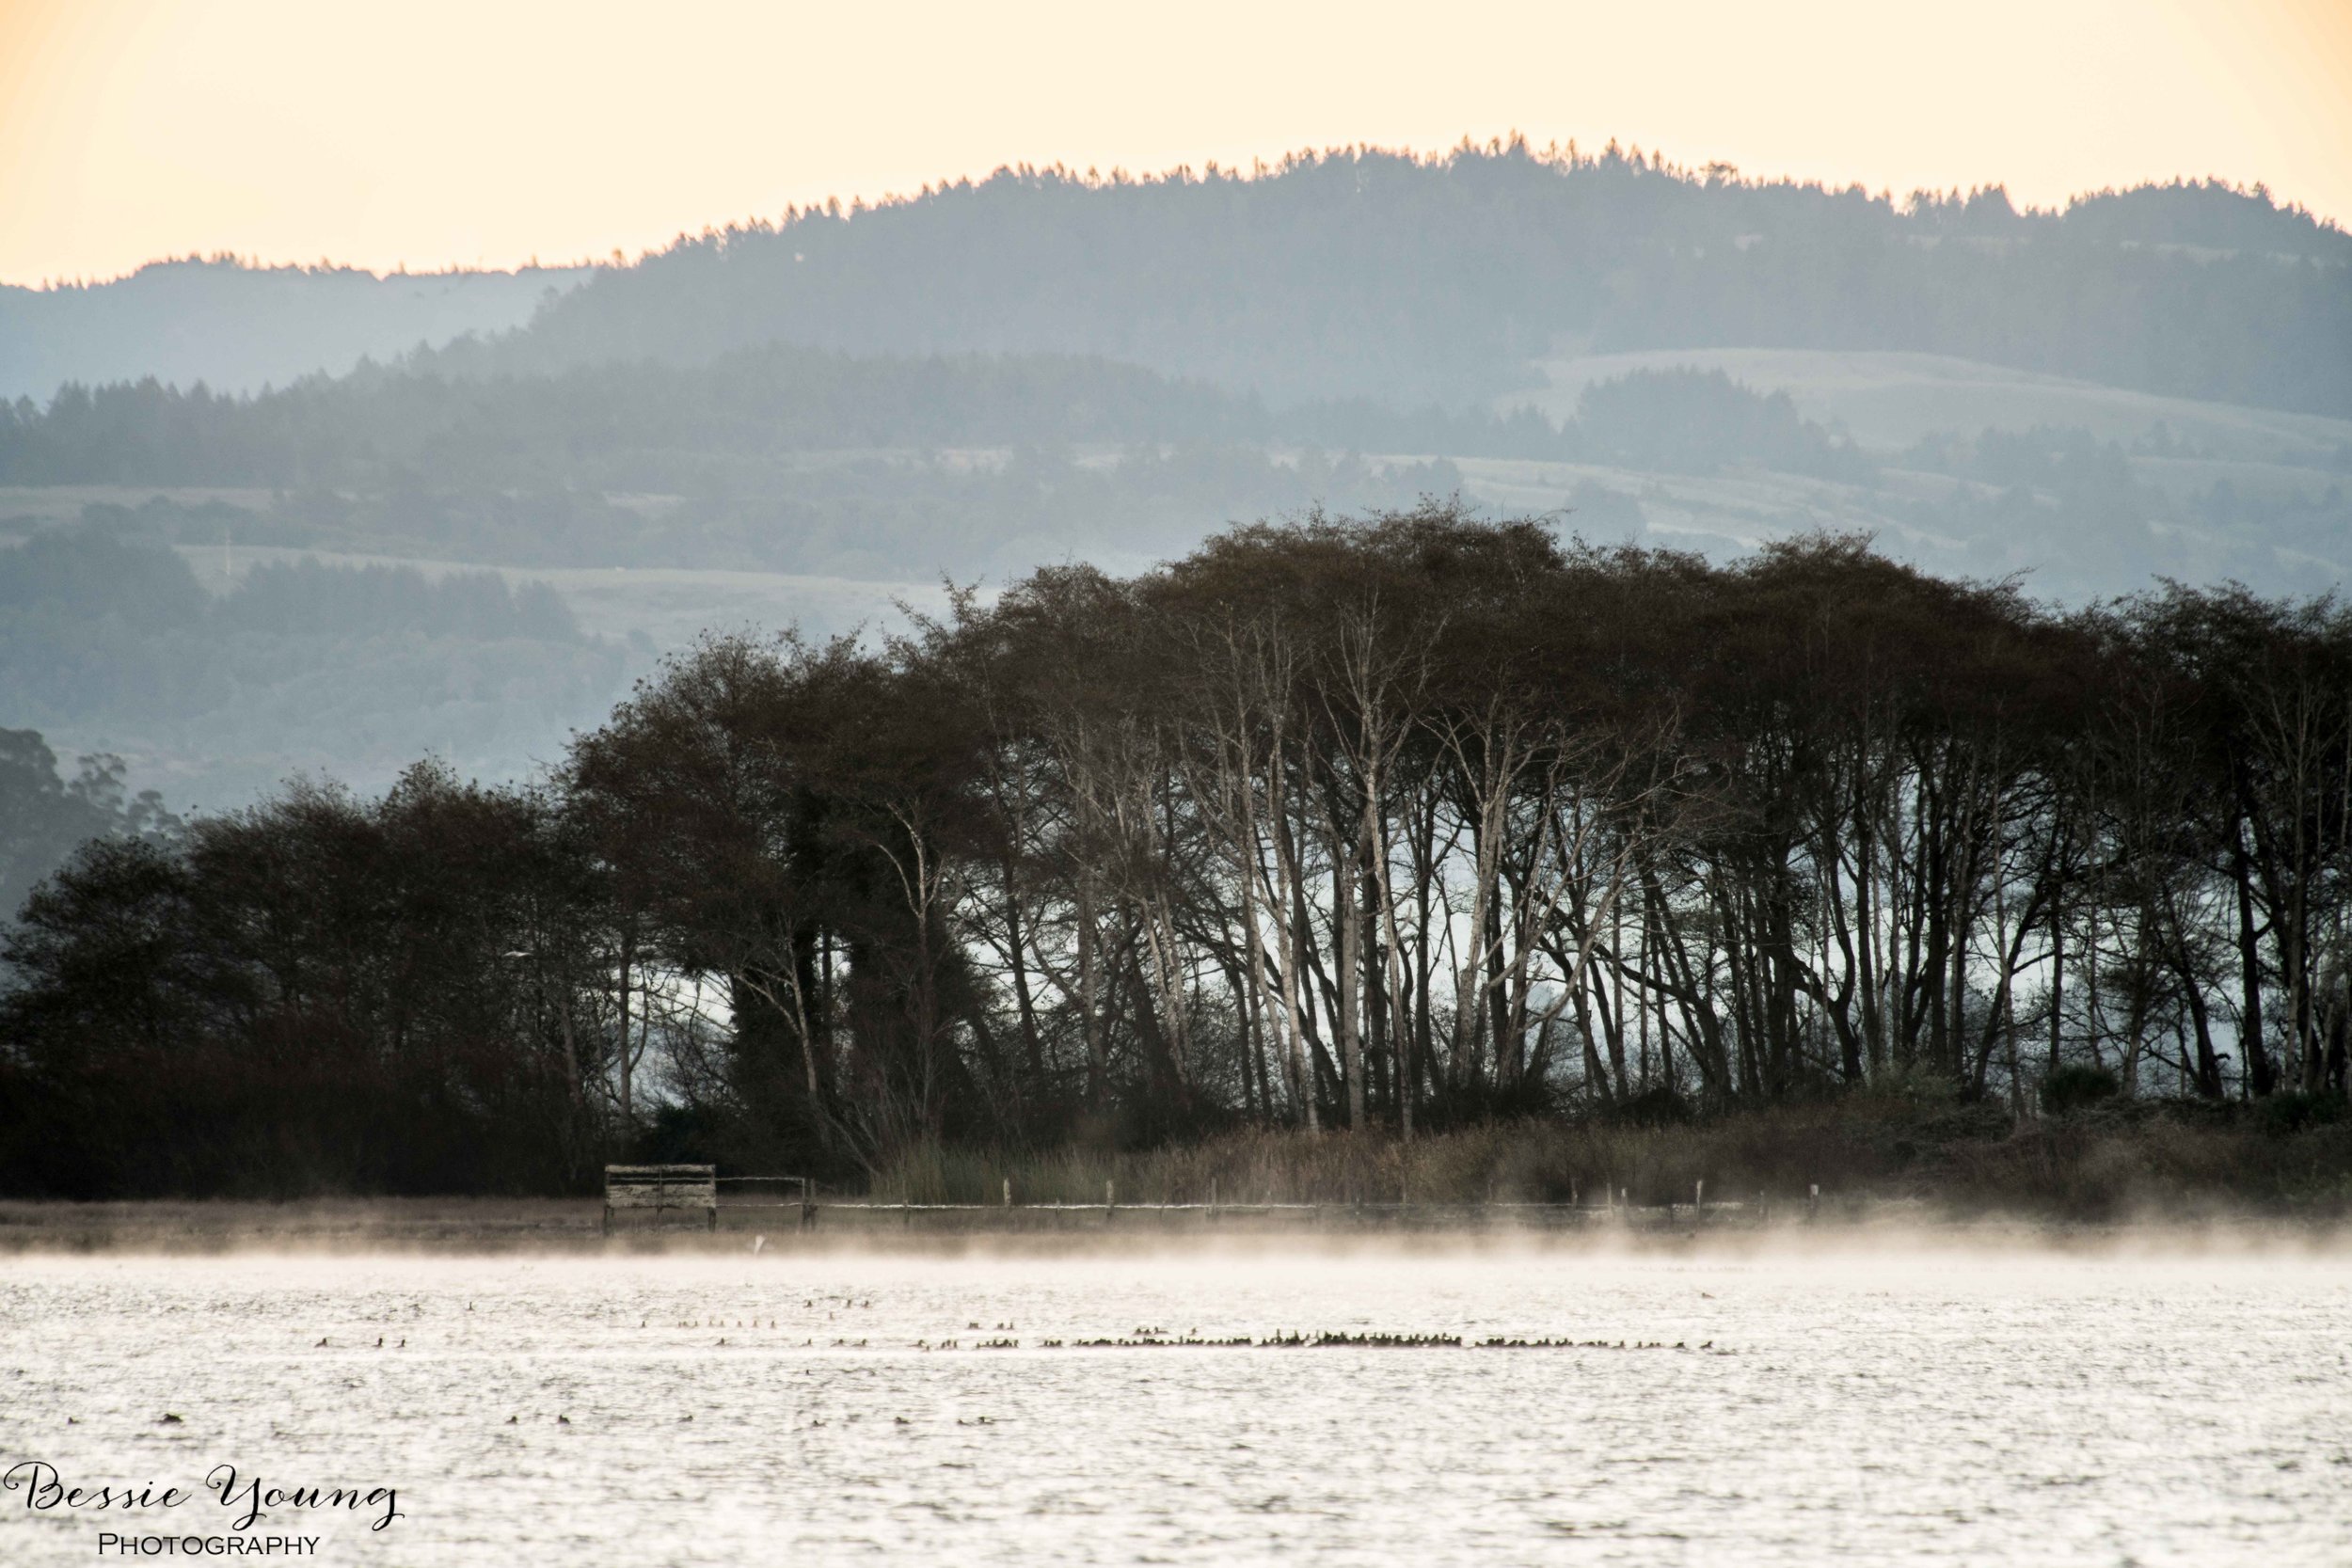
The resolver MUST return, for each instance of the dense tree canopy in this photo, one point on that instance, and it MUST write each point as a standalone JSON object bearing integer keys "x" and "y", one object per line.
{"x": 45, "y": 817}
{"x": 1381, "y": 824}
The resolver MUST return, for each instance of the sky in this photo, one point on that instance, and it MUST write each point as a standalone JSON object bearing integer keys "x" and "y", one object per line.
{"x": 434, "y": 134}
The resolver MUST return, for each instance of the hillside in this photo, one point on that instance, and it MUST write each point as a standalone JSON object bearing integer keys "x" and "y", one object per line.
{"x": 214, "y": 686}
{"x": 1369, "y": 273}
{"x": 810, "y": 420}
{"x": 238, "y": 328}
{"x": 1356, "y": 273}
{"x": 783, "y": 460}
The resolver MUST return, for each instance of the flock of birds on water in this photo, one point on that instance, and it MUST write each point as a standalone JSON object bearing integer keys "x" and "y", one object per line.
{"x": 1144, "y": 1337}
{"x": 1155, "y": 1338}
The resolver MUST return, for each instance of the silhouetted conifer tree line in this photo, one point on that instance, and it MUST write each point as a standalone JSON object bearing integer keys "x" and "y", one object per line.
{"x": 1390, "y": 824}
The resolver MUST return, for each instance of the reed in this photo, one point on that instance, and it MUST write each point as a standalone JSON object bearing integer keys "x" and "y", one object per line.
{"x": 1966, "y": 1158}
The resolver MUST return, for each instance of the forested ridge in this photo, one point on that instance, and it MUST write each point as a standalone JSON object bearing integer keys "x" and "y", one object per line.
{"x": 1352, "y": 271}
{"x": 1048, "y": 363}
{"x": 110, "y": 644}
{"x": 758, "y": 415}
{"x": 1359, "y": 272}
{"x": 643, "y": 425}
{"x": 242, "y": 325}
{"x": 1396, "y": 825}
{"x": 801, "y": 459}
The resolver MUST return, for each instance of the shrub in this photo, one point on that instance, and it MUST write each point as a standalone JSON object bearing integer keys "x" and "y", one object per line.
{"x": 2293, "y": 1111}
{"x": 2077, "y": 1086}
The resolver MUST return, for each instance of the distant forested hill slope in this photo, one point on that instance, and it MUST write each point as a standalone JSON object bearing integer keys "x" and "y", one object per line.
{"x": 783, "y": 459}
{"x": 794, "y": 459}
{"x": 108, "y": 643}
{"x": 1370, "y": 274}
{"x": 1047, "y": 365}
{"x": 650, "y": 427}
{"x": 238, "y": 328}
{"x": 644, "y": 425}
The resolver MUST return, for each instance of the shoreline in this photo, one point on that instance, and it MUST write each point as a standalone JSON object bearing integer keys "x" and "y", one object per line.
{"x": 460, "y": 1227}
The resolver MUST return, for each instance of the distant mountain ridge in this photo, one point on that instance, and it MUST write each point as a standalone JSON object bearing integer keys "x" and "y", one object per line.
{"x": 1356, "y": 273}
{"x": 815, "y": 418}
{"x": 238, "y": 328}
{"x": 1363, "y": 272}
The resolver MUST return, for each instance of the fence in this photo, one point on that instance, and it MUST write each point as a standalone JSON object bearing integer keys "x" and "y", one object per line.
{"x": 696, "y": 1189}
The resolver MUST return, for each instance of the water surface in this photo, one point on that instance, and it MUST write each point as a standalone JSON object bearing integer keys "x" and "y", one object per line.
{"x": 1870, "y": 1406}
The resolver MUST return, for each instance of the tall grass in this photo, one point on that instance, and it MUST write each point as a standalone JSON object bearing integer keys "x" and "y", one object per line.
{"x": 1874, "y": 1147}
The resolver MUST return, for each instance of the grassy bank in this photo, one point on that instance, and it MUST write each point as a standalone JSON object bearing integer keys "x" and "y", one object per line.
{"x": 2117, "y": 1161}
{"x": 1879, "y": 1160}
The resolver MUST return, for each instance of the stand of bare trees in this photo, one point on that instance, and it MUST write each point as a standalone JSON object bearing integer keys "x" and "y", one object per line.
{"x": 1389, "y": 824}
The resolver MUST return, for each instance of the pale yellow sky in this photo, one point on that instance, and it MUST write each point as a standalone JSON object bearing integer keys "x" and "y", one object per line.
{"x": 440, "y": 133}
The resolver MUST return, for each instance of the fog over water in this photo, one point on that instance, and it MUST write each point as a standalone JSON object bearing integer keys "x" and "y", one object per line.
{"x": 1906, "y": 1403}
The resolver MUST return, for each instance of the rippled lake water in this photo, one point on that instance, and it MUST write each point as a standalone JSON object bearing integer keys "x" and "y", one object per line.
{"x": 1862, "y": 1406}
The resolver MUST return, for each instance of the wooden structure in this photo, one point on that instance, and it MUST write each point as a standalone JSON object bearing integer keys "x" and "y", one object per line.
{"x": 686, "y": 1188}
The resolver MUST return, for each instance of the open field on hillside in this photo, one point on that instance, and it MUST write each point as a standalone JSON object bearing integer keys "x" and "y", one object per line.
{"x": 1886, "y": 401}
{"x": 62, "y": 503}
{"x": 1743, "y": 506}
{"x": 668, "y": 606}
